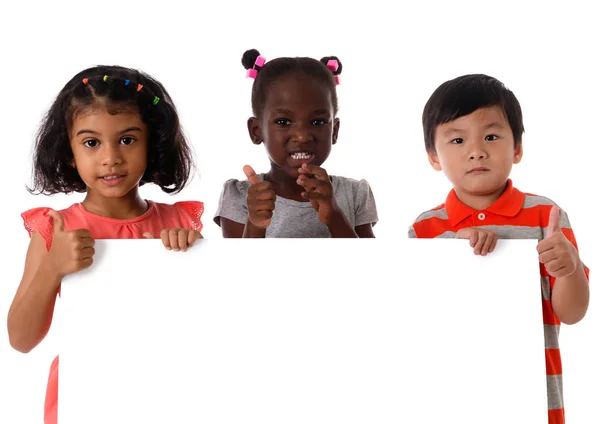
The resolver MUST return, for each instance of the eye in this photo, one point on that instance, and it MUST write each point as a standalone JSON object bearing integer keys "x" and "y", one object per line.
{"x": 127, "y": 140}
{"x": 283, "y": 122}
{"x": 491, "y": 137}
{"x": 457, "y": 141}
{"x": 320, "y": 121}
{"x": 91, "y": 143}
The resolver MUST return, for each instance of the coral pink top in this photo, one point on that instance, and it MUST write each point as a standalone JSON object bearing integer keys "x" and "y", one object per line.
{"x": 158, "y": 217}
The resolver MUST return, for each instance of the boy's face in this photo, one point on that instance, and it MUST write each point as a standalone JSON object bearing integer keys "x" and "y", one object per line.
{"x": 476, "y": 153}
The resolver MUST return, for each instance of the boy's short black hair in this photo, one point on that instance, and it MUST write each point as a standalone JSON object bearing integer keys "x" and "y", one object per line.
{"x": 463, "y": 96}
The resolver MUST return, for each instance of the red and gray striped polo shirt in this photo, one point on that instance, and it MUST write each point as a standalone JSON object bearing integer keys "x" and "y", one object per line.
{"x": 515, "y": 215}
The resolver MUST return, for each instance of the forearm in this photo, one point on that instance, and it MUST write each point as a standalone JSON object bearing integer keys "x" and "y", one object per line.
{"x": 251, "y": 231}
{"x": 570, "y": 296}
{"x": 339, "y": 227}
{"x": 30, "y": 316}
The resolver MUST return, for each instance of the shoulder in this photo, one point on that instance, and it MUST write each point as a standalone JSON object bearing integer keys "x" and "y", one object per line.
{"x": 437, "y": 212}
{"x": 233, "y": 186}
{"x": 189, "y": 212}
{"x": 355, "y": 186}
{"x": 38, "y": 220}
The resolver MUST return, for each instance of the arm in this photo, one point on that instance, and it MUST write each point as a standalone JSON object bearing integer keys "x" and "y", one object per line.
{"x": 30, "y": 313}
{"x": 232, "y": 229}
{"x": 365, "y": 231}
{"x": 571, "y": 295}
{"x": 339, "y": 227}
{"x": 560, "y": 258}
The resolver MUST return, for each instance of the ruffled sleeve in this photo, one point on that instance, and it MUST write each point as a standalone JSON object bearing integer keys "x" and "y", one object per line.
{"x": 190, "y": 213}
{"x": 38, "y": 220}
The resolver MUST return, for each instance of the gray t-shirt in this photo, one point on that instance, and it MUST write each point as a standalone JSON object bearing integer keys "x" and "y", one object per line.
{"x": 293, "y": 219}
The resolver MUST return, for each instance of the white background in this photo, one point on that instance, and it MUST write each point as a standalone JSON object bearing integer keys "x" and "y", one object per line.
{"x": 393, "y": 60}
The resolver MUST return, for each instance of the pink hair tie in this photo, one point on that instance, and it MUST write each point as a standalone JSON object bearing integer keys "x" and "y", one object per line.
{"x": 333, "y": 66}
{"x": 258, "y": 63}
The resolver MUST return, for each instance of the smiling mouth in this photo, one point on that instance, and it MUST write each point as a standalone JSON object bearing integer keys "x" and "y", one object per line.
{"x": 302, "y": 155}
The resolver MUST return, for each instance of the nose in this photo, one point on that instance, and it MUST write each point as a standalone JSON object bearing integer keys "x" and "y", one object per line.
{"x": 302, "y": 134}
{"x": 478, "y": 151}
{"x": 111, "y": 156}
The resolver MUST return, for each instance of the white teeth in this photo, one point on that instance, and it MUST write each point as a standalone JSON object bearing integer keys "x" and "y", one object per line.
{"x": 301, "y": 156}
{"x": 111, "y": 177}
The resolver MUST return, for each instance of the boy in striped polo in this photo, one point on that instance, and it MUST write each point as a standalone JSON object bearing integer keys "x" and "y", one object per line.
{"x": 473, "y": 127}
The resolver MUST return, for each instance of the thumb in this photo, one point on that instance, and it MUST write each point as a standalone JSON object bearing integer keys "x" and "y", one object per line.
{"x": 251, "y": 175}
{"x": 148, "y": 235}
{"x": 553, "y": 222}
{"x": 59, "y": 222}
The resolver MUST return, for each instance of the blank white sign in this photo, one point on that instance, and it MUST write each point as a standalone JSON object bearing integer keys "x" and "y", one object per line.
{"x": 283, "y": 331}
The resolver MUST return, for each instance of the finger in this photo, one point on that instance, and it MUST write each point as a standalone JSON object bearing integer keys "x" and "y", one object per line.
{"x": 251, "y": 175}
{"x": 481, "y": 239}
{"x": 182, "y": 238}
{"x": 315, "y": 170}
{"x": 545, "y": 245}
{"x": 313, "y": 183}
{"x": 264, "y": 218}
{"x": 148, "y": 235}
{"x": 554, "y": 266}
{"x": 87, "y": 242}
{"x": 164, "y": 237}
{"x": 86, "y": 263}
{"x": 193, "y": 236}
{"x": 467, "y": 233}
{"x": 174, "y": 238}
{"x": 494, "y": 243}
{"x": 315, "y": 195}
{"x": 547, "y": 256}
{"x": 59, "y": 222}
{"x": 485, "y": 249}
{"x": 83, "y": 233}
{"x": 87, "y": 252}
{"x": 264, "y": 205}
{"x": 262, "y": 192}
{"x": 553, "y": 222}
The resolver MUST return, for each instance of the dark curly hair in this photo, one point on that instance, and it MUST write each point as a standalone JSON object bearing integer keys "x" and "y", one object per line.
{"x": 463, "y": 96}
{"x": 277, "y": 68}
{"x": 170, "y": 159}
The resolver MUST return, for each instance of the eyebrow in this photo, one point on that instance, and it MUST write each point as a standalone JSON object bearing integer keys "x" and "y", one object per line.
{"x": 491, "y": 125}
{"x": 126, "y": 130}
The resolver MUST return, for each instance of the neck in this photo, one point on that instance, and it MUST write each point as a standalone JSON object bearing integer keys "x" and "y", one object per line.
{"x": 284, "y": 184}
{"x": 127, "y": 207}
{"x": 480, "y": 201}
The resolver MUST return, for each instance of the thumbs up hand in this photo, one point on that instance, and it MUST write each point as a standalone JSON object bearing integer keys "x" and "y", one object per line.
{"x": 261, "y": 199}
{"x": 71, "y": 251}
{"x": 556, "y": 252}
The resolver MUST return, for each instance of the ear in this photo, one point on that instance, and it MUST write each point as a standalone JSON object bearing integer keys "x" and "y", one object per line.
{"x": 254, "y": 130}
{"x": 336, "y": 129}
{"x": 434, "y": 161}
{"x": 518, "y": 154}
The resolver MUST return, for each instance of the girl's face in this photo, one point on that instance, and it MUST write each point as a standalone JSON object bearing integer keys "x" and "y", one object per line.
{"x": 110, "y": 152}
{"x": 298, "y": 124}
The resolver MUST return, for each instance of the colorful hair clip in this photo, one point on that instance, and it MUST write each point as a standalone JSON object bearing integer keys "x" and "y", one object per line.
{"x": 156, "y": 100}
{"x": 337, "y": 79}
{"x": 85, "y": 80}
{"x": 333, "y": 65}
{"x": 139, "y": 88}
{"x": 127, "y": 82}
{"x": 105, "y": 78}
{"x": 258, "y": 63}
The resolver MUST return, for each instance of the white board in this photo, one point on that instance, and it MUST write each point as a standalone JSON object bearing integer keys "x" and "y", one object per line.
{"x": 282, "y": 331}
